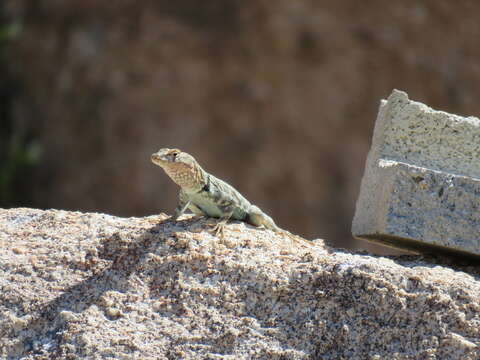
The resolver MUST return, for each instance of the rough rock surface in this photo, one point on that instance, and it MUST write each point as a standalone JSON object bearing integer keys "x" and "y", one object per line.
{"x": 269, "y": 95}
{"x": 94, "y": 286}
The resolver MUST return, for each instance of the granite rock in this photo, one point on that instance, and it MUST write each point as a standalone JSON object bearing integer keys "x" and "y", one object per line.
{"x": 94, "y": 286}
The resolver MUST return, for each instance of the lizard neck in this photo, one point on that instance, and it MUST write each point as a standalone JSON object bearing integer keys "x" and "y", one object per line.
{"x": 191, "y": 178}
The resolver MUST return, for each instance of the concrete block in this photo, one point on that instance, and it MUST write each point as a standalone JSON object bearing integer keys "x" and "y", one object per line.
{"x": 421, "y": 186}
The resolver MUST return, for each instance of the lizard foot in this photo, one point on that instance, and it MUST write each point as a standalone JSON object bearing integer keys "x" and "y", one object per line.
{"x": 219, "y": 229}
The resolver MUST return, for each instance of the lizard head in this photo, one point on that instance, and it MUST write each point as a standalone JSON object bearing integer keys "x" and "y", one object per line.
{"x": 166, "y": 156}
{"x": 180, "y": 166}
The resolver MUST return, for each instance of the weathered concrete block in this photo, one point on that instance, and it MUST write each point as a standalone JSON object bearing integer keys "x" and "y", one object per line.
{"x": 421, "y": 187}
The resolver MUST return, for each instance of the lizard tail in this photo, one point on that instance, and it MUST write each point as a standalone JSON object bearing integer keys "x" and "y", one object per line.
{"x": 257, "y": 217}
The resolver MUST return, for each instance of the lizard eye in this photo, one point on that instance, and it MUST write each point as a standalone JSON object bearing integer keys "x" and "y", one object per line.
{"x": 174, "y": 155}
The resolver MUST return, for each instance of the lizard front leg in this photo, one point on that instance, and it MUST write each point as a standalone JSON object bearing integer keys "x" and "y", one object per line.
{"x": 183, "y": 204}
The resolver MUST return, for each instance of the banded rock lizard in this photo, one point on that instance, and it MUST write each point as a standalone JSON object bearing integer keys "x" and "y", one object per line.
{"x": 204, "y": 194}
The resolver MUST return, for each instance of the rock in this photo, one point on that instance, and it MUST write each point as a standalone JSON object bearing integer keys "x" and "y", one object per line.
{"x": 421, "y": 186}
{"x": 148, "y": 288}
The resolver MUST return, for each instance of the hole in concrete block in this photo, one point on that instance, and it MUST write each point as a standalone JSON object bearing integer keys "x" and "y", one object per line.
{"x": 440, "y": 192}
{"x": 417, "y": 179}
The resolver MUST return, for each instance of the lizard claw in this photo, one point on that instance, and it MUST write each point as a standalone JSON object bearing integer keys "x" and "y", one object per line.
{"x": 219, "y": 229}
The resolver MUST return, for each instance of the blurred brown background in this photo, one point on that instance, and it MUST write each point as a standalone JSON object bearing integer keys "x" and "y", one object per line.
{"x": 278, "y": 98}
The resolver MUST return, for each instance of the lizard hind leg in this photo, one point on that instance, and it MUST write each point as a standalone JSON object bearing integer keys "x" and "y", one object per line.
{"x": 219, "y": 228}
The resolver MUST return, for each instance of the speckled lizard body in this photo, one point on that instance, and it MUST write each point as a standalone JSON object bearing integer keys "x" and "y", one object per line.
{"x": 204, "y": 194}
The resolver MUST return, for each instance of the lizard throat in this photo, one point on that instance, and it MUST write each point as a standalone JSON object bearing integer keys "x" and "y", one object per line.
{"x": 187, "y": 177}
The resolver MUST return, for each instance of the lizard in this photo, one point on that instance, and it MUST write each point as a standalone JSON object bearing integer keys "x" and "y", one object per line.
{"x": 205, "y": 194}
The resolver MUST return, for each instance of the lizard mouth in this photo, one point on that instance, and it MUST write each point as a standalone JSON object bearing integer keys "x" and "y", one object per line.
{"x": 156, "y": 159}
